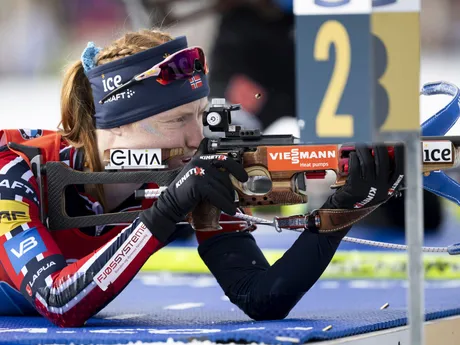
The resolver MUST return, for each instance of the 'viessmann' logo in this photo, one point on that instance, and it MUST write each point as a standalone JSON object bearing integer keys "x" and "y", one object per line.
{"x": 377, "y": 3}
{"x": 295, "y": 156}
{"x": 283, "y": 158}
{"x": 331, "y": 3}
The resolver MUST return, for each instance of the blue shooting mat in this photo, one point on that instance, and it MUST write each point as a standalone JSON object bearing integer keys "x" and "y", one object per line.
{"x": 158, "y": 307}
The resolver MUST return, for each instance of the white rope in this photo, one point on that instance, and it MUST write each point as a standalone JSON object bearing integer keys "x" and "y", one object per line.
{"x": 154, "y": 193}
{"x": 392, "y": 245}
{"x": 259, "y": 220}
{"x": 253, "y": 219}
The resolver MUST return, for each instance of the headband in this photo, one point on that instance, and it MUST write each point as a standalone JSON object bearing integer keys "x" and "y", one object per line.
{"x": 146, "y": 98}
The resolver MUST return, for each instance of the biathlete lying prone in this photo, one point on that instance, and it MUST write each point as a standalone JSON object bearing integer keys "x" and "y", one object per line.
{"x": 63, "y": 274}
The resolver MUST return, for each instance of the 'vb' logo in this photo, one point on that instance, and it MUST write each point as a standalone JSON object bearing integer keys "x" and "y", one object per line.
{"x": 26, "y": 245}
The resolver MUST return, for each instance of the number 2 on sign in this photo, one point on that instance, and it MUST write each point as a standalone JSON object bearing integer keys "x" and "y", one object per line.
{"x": 328, "y": 122}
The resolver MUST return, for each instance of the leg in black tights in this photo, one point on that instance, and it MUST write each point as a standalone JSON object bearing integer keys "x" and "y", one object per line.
{"x": 262, "y": 291}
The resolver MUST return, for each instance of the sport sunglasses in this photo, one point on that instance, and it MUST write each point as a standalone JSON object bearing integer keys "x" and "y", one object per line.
{"x": 180, "y": 65}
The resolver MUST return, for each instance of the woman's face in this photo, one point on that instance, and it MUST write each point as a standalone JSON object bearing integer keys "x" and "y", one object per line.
{"x": 181, "y": 127}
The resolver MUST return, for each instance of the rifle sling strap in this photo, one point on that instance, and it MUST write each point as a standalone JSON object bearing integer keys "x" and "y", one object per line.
{"x": 324, "y": 220}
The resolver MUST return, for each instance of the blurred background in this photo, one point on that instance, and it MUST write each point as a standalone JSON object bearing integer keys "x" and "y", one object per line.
{"x": 244, "y": 40}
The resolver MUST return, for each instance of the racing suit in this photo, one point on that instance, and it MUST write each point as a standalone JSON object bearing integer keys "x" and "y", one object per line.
{"x": 67, "y": 275}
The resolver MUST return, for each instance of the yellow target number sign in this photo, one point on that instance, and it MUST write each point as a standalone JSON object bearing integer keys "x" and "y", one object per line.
{"x": 396, "y": 32}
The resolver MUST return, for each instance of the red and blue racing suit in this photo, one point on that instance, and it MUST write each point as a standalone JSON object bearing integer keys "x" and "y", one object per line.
{"x": 67, "y": 275}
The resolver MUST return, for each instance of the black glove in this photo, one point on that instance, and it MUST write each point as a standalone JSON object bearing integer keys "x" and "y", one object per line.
{"x": 206, "y": 178}
{"x": 371, "y": 179}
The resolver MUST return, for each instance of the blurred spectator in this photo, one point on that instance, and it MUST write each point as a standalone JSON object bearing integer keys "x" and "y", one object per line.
{"x": 439, "y": 20}
{"x": 254, "y": 54}
{"x": 52, "y": 31}
{"x": 28, "y": 28}
{"x": 48, "y": 29}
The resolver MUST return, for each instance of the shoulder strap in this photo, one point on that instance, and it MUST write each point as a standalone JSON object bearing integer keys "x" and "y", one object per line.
{"x": 48, "y": 142}
{"x": 36, "y": 147}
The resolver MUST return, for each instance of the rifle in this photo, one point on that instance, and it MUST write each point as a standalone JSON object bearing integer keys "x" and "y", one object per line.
{"x": 279, "y": 169}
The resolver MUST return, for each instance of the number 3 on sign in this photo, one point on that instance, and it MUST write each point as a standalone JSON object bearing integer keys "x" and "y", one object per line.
{"x": 328, "y": 122}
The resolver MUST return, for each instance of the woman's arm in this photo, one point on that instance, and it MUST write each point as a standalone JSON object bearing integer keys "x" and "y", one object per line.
{"x": 67, "y": 295}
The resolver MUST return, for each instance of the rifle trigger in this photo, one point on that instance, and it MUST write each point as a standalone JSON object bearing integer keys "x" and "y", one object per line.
{"x": 300, "y": 183}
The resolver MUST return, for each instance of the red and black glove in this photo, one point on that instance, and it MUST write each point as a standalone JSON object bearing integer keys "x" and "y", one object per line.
{"x": 372, "y": 178}
{"x": 205, "y": 179}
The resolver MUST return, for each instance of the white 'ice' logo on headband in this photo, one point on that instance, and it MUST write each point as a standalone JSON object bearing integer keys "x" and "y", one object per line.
{"x": 111, "y": 83}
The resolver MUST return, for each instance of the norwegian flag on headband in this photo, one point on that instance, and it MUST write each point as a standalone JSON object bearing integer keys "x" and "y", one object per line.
{"x": 195, "y": 82}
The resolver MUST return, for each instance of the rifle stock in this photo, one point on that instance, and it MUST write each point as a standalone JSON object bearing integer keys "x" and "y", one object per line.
{"x": 282, "y": 184}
